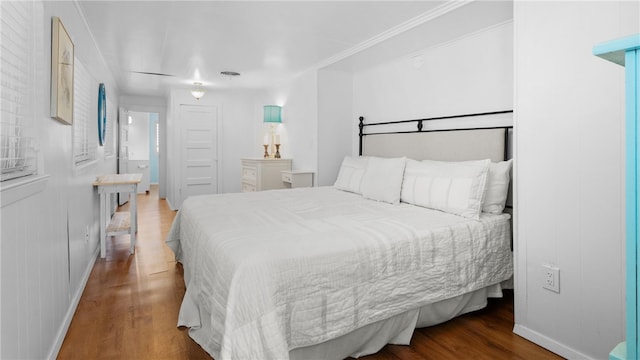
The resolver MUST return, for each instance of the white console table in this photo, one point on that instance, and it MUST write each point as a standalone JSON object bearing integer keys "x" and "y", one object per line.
{"x": 122, "y": 222}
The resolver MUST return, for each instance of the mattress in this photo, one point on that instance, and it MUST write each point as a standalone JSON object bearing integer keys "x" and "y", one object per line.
{"x": 272, "y": 271}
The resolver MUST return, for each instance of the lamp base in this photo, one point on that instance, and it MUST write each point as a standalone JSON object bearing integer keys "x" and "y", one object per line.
{"x": 277, "y": 156}
{"x": 266, "y": 153}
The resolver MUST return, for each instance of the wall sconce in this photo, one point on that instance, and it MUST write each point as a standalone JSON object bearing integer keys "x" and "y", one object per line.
{"x": 273, "y": 116}
{"x": 197, "y": 92}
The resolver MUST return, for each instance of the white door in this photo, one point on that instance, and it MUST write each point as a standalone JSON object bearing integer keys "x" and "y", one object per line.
{"x": 123, "y": 148}
{"x": 199, "y": 149}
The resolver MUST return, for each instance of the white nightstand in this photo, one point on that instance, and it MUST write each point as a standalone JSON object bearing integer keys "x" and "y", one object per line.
{"x": 297, "y": 178}
{"x": 263, "y": 174}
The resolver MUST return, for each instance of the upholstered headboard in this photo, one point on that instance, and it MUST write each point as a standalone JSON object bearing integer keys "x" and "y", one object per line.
{"x": 398, "y": 138}
{"x": 445, "y": 146}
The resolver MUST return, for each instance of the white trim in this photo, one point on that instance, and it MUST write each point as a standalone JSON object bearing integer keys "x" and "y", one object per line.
{"x": 80, "y": 168}
{"x": 399, "y": 29}
{"x": 456, "y": 39}
{"x": 170, "y": 206}
{"x": 520, "y": 298}
{"x": 87, "y": 28}
{"x": 15, "y": 190}
{"x": 64, "y": 327}
{"x": 549, "y": 344}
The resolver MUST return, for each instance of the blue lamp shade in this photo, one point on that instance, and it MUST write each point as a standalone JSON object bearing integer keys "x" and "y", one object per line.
{"x": 272, "y": 114}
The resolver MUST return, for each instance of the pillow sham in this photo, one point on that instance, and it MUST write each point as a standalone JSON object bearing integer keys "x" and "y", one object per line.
{"x": 453, "y": 187}
{"x": 497, "y": 187}
{"x": 382, "y": 181}
{"x": 350, "y": 174}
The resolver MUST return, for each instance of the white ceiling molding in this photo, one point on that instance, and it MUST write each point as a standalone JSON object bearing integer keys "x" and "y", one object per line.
{"x": 112, "y": 79}
{"x": 407, "y": 25}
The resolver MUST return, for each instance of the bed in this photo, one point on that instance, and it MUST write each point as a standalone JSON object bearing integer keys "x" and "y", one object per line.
{"x": 342, "y": 270}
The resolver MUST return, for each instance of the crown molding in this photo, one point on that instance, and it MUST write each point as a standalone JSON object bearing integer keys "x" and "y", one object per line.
{"x": 95, "y": 43}
{"x": 396, "y": 30}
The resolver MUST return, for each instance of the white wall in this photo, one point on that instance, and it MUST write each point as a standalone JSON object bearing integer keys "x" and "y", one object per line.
{"x": 237, "y": 111}
{"x": 335, "y": 123}
{"x": 300, "y": 116}
{"x": 299, "y": 101}
{"x": 471, "y": 74}
{"x": 45, "y": 257}
{"x": 569, "y": 174}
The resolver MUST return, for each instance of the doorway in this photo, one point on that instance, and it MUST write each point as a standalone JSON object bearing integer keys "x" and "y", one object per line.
{"x": 139, "y": 147}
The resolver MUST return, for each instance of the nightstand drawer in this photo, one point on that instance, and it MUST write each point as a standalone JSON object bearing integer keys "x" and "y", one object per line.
{"x": 249, "y": 174}
{"x": 297, "y": 178}
{"x": 248, "y": 187}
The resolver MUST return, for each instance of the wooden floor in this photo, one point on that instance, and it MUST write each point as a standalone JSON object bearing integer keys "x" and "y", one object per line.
{"x": 129, "y": 310}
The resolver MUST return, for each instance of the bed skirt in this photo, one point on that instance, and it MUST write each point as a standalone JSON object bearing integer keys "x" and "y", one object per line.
{"x": 398, "y": 329}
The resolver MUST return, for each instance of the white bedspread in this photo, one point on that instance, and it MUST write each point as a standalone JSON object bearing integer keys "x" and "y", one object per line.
{"x": 277, "y": 270}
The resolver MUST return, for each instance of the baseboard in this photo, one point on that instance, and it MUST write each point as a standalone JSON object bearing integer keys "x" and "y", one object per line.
{"x": 62, "y": 332}
{"x": 170, "y": 206}
{"x": 549, "y": 344}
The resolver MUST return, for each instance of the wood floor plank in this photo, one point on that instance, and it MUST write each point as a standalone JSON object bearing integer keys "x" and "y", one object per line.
{"x": 129, "y": 309}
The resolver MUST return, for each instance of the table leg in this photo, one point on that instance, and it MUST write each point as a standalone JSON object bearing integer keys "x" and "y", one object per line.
{"x": 104, "y": 213}
{"x": 134, "y": 218}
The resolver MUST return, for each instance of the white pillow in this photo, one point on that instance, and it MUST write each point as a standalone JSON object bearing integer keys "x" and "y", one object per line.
{"x": 497, "y": 187}
{"x": 383, "y": 179}
{"x": 350, "y": 175}
{"x": 453, "y": 187}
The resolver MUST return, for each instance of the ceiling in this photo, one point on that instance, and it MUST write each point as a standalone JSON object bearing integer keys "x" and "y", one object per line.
{"x": 265, "y": 41}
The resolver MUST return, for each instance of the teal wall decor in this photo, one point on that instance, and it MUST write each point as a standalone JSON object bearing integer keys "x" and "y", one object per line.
{"x": 102, "y": 114}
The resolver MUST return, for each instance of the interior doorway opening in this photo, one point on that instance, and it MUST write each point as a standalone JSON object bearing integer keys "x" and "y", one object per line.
{"x": 139, "y": 147}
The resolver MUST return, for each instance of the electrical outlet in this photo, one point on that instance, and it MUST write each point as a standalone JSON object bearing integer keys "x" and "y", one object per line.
{"x": 551, "y": 278}
{"x": 86, "y": 234}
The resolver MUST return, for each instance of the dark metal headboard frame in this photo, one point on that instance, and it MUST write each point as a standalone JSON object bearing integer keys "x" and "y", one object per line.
{"x": 420, "y": 122}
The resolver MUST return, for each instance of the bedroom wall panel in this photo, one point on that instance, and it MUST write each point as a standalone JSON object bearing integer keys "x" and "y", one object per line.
{"x": 335, "y": 106}
{"x": 300, "y": 117}
{"x": 299, "y": 100}
{"x": 470, "y": 74}
{"x": 569, "y": 175}
{"x": 49, "y": 240}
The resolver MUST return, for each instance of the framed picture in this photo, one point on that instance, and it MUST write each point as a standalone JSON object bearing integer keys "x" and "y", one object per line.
{"x": 61, "y": 73}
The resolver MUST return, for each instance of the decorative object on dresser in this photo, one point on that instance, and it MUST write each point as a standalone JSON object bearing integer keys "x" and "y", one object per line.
{"x": 272, "y": 116}
{"x": 277, "y": 154}
{"x": 263, "y": 174}
{"x": 297, "y": 178}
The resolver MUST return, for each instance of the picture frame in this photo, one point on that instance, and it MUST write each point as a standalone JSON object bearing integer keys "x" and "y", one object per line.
{"x": 62, "y": 61}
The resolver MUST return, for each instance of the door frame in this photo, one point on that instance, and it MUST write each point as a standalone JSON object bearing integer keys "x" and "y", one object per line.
{"x": 122, "y": 119}
{"x": 161, "y": 110}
